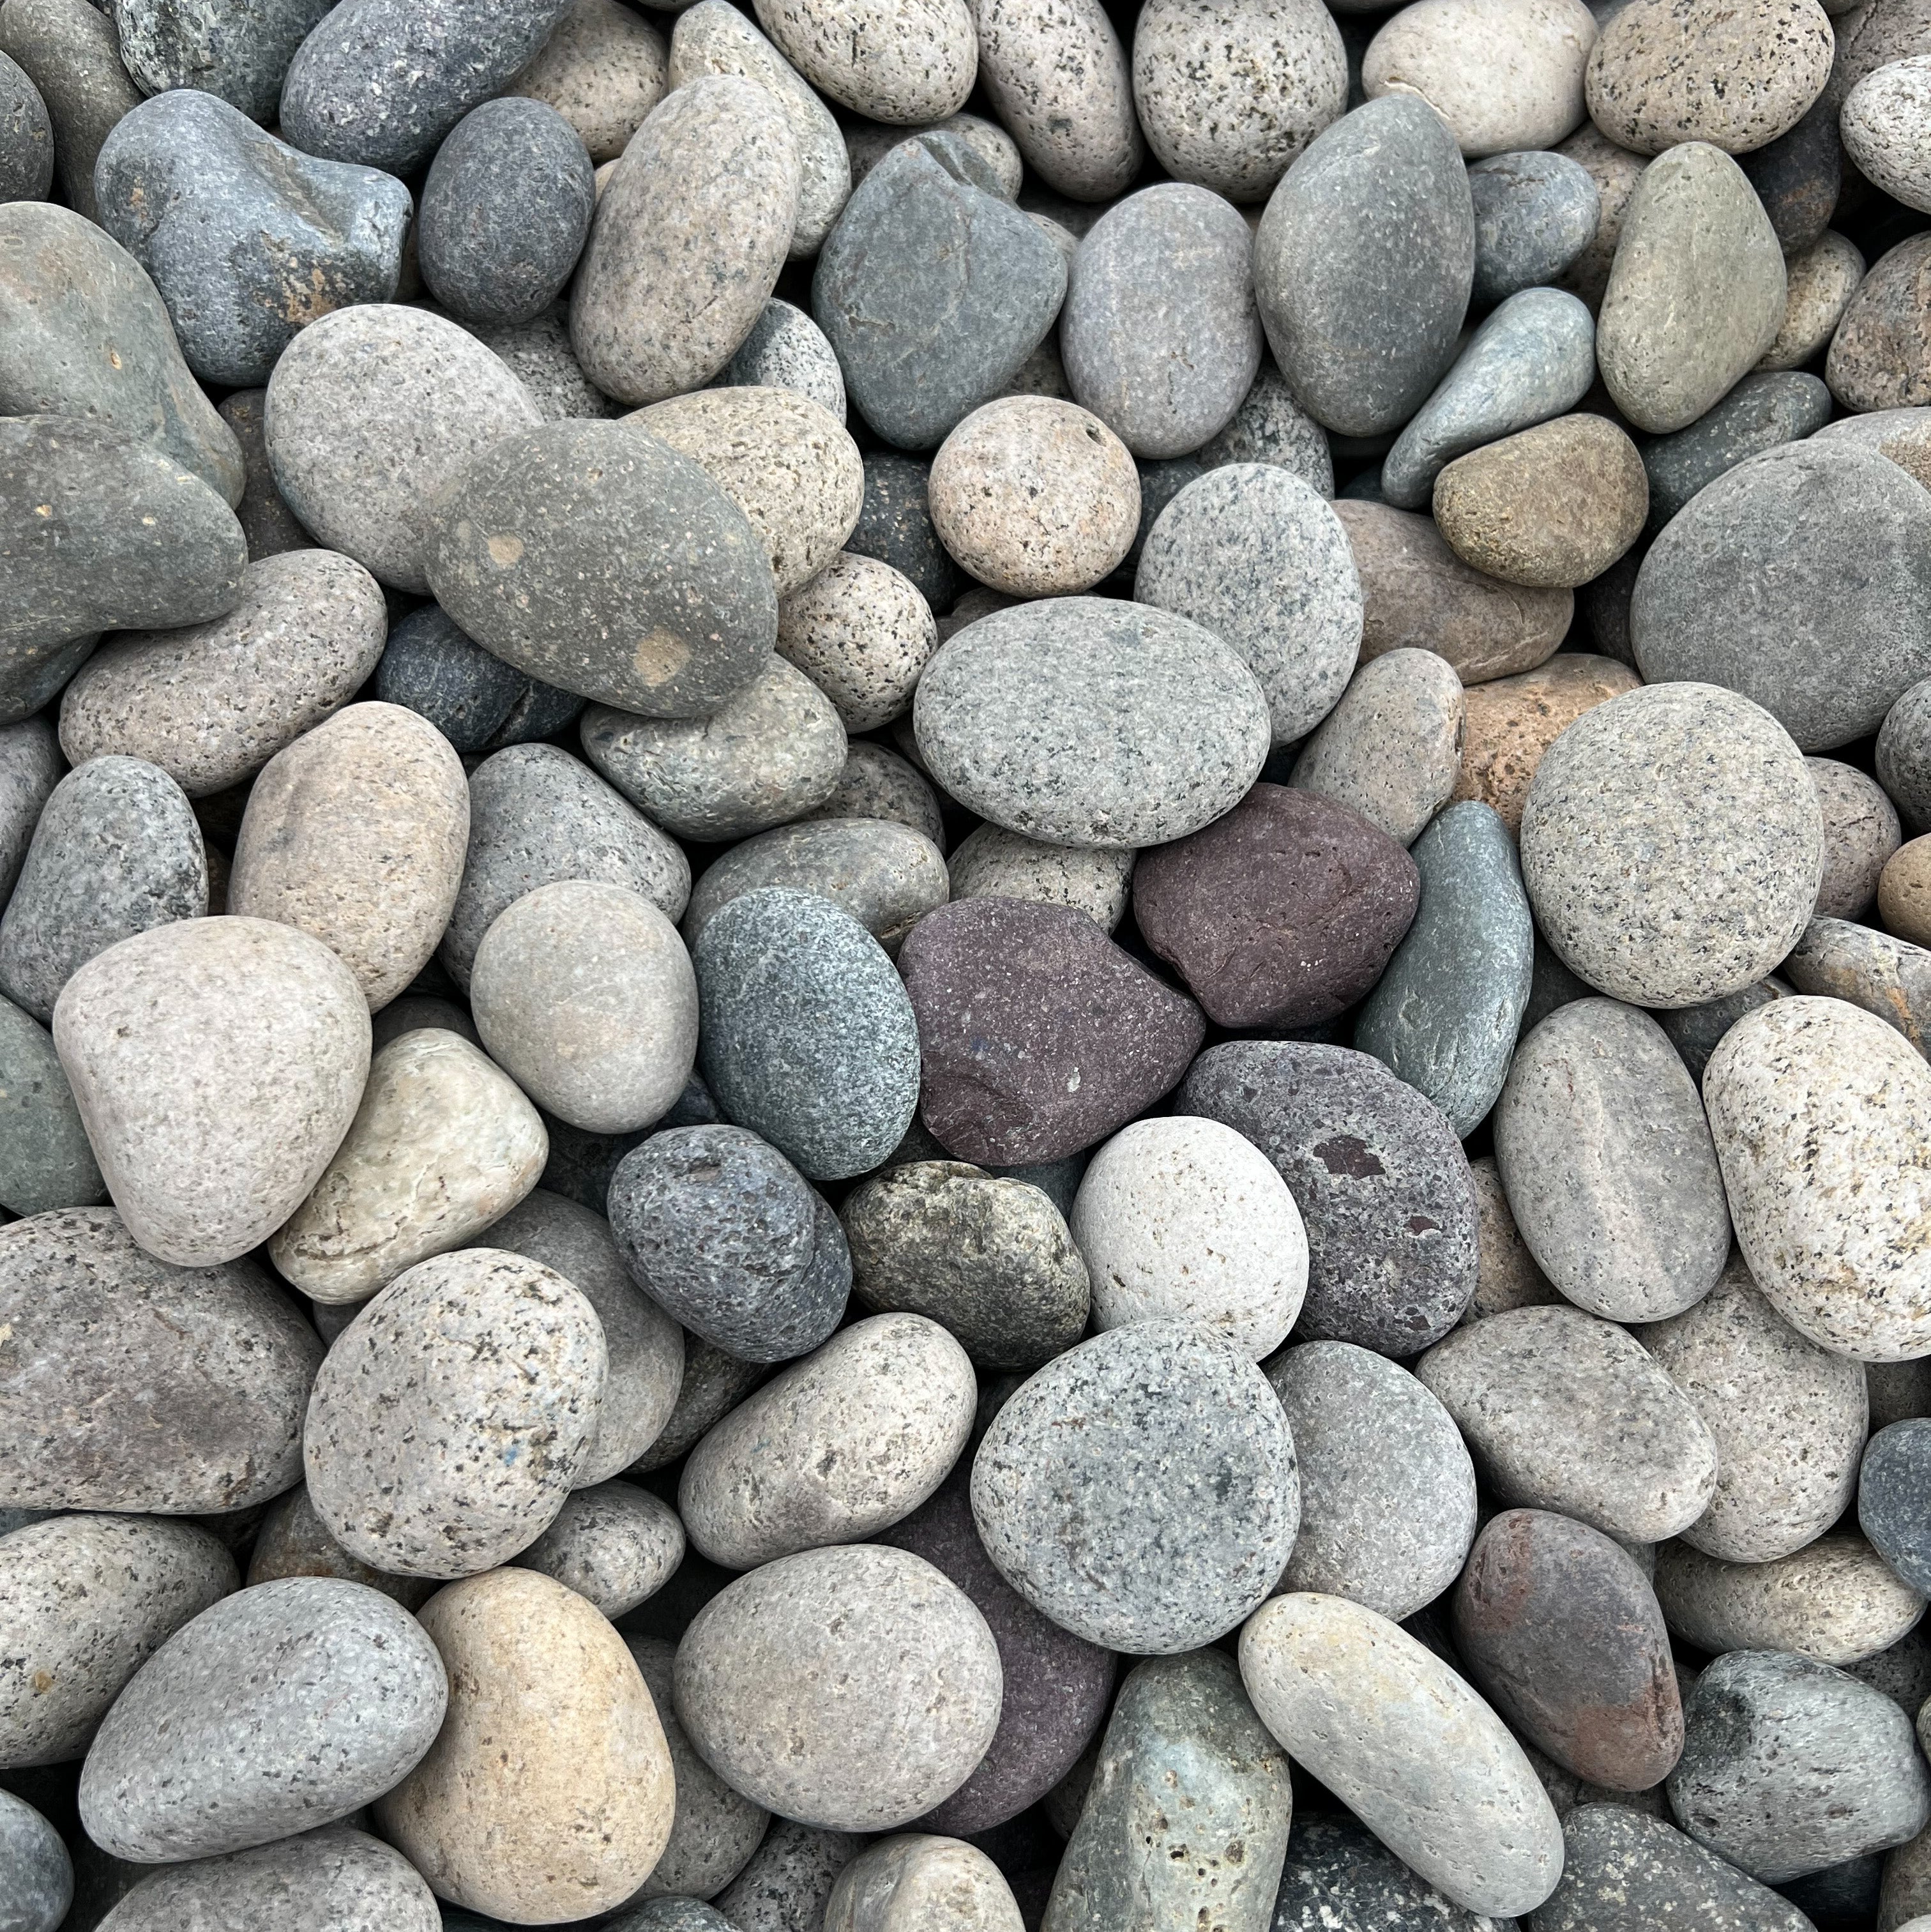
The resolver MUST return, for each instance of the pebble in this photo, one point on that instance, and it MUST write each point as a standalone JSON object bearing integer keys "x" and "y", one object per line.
{"x": 1160, "y": 1421}
{"x": 1763, "y": 410}
{"x": 1444, "y": 1016}
{"x": 1803, "y": 1094}
{"x": 268, "y": 524}
{"x": 1211, "y": 1851}
{"x": 1903, "y": 760}
{"x": 1861, "y": 835}
{"x": 1086, "y": 722}
{"x": 1565, "y": 1412}
{"x": 916, "y": 1880}
{"x": 1364, "y": 264}
{"x": 284, "y": 1707}
{"x": 1417, "y": 594}
{"x": 27, "y": 143}
{"x": 1889, "y": 977}
{"x": 537, "y": 1674}
{"x": 1789, "y": 1766}
{"x": 538, "y": 355}
{"x": 895, "y": 526}
{"x": 39, "y": 1884}
{"x": 1058, "y": 79}
{"x": 1005, "y": 866}
{"x": 785, "y": 350}
{"x": 292, "y": 1542}
{"x": 932, "y": 292}
{"x": 1252, "y": 553}
{"x": 1890, "y": 1488}
{"x": 1038, "y": 1035}
{"x": 1370, "y": 1440}
{"x": 603, "y": 68}
{"x": 370, "y": 410}
{"x": 1403, "y": 1742}
{"x": 1333, "y": 1865}
{"x": 1560, "y": 1629}
{"x": 863, "y": 633}
{"x": 1672, "y": 844}
{"x": 902, "y": 65}
{"x": 1880, "y": 356}
{"x": 45, "y": 1160}
{"x": 789, "y": 1879}
{"x": 1615, "y": 171}
{"x": 89, "y": 1599}
{"x": 877, "y": 783}
{"x": 1839, "y": 528}
{"x": 1535, "y": 213}
{"x": 1820, "y": 282}
{"x": 992, "y": 1258}
{"x": 767, "y": 1672}
{"x": 475, "y": 700}
{"x": 1611, "y": 1173}
{"x": 1788, "y": 1418}
{"x": 398, "y": 1436}
{"x": 613, "y": 1544}
{"x": 1230, "y": 101}
{"x": 217, "y": 1063}
{"x": 1904, "y": 891}
{"x": 70, "y": 53}
{"x": 1271, "y": 427}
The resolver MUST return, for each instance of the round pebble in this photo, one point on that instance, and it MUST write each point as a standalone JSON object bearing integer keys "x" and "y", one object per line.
{"x": 1820, "y": 284}
{"x": 917, "y": 1880}
{"x": 1058, "y": 79}
{"x": 613, "y": 1544}
{"x": 1880, "y": 356}
{"x": 1535, "y": 213}
{"x": 862, "y": 633}
{"x": 785, "y": 350}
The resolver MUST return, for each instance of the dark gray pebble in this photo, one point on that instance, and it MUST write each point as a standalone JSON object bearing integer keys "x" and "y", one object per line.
{"x": 1799, "y": 176}
{"x": 268, "y": 523}
{"x": 1337, "y": 1878}
{"x": 476, "y": 701}
{"x": 1894, "y": 1498}
{"x": 45, "y": 1161}
{"x": 1694, "y": 1031}
{"x": 239, "y": 53}
{"x": 31, "y": 766}
{"x": 1535, "y": 212}
{"x": 1762, "y": 411}
{"x": 26, "y": 137}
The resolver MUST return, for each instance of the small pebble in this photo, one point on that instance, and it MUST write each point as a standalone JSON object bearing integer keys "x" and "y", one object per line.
{"x": 1861, "y": 835}
{"x": 614, "y": 1544}
{"x": 1535, "y": 213}
{"x": 1890, "y": 1488}
{"x": 916, "y": 1881}
{"x": 1005, "y": 866}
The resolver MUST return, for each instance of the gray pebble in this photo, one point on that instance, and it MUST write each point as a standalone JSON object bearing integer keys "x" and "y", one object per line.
{"x": 248, "y": 239}
{"x": 1903, "y": 759}
{"x": 134, "y": 1385}
{"x": 1387, "y": 1489}
{"x": 1860, "y": 832}
{"x": 715, "y": 1383}
{"x": 431, "y": 665}
{"x": 45, "y": 1159}
{"x": 1839, "y": 959}
{"x": 505, "y": 211}
{"x": 785, "y": 350}
{"x": 1333, "y": 1866}
{"x": 284, "y": 1707}
{"x": 1565, "y": 1412}
{"x": 26, "y": 136}
{"x": 538, "y": 354}
{"x": 239, "y": 55}
{"x": 36, "y": 1874}
{"x": 267, "y": 522}
{"x": 1789, "y": 1765}
{"x": 70, "y": 51}
{"x": 1363, "y": 265}
{"x": 1506, "y": 1274}
{"x": 614, "y": 1544}
{"x": 719, "y": 1228}
{"x": 807, "y": 1036}
{"x": 292, "y": 1542}
{"x": 1270, "y": 427}
{"x": 30, "y": 768}
{"x": 989, "y": 861}
{"x": 1762, "y": 411}
{"x": 895, "y": 525}
{"x": 1535, "y": 213}
{"x": 87, "y": 1600}
{"x": 1141, "y": 1489}
{"x": 785, "y": 1886}
{"x": 1695, "y": 1031}
{"x": 877, "y": 783}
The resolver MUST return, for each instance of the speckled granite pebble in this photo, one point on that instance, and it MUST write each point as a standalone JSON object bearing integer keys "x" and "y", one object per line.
{"x": 863, "y": 633}
{"x": 1535, "y": 213}
{"x": 1271, "y": 427}
{"x": 602, "y": 67}
{"x": 1820, "y": 283}
{"x": 292, "y": 1542}
{"x": 37, "y": 1886}
{"x": 904, "y": 1883}
{"x": 1763, "y": 410}
{"x": 71, "y": 52}
{"x": 1334, "y": 1866}
{"x": 1891, "y": 1484}
{"x": 902, "y": 65}
{"x": 790, "y": 1876}
{"x": 785, "y": 350}
{"x": 1058, "y": 77}
{"x": 1843, "y": 960}
{"x": 614, "y": 1544}
{"x": 1861, "y": 833}
{"x": 988, "y": 861}
{"x": 1880, "y": 357}
{"x": 1162, "y": 1422}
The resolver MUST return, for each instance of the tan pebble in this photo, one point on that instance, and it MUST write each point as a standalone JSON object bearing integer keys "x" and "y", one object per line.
{"x": 1880, "y": 357}
{"x": 991, "y": 861}
{"x": 1506, "y": 1275}
{"x": 1615, "y": 171}
{"x": 1819, "y": 284}
{"x": 1904, "y": 891}
{"x": 293, "y": 1541}
{"x": 1886, "y": 123}
{"x": 1056, "y": 75}
{"x": 907, "y": 62}
{"x": 919, "y": 1883}
{"x": 862, "y": 633}
{"x": 602, "y": 69}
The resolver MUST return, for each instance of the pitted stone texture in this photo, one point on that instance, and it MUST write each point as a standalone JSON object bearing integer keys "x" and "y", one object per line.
{"x": 40, "y": 1873}
{"x": 292, "y": 1542}
{"x": 905, "y": 65}
{"x": 863, "y": 633}
{"x": 1535, "y": 214}
{"x": 785, "y": 350}
{"x": 614, "y": 1544}
{"x": 1005, "y": 866}
{"x": 1820, "y": 284}
{"x": 1861, "y": 832}
{"x": 1889, "y": 977}
{"x": 602, "y": 67}
{"x": 1056, "y": 76}
{"x": 267, "y": 522}
{"x": 790, "y": 1876}
{"x": 70, "y": 51}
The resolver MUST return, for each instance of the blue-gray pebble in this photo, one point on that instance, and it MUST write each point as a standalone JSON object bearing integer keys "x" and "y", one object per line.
{"x": 1535, "y": 212}
{"x": 1445, "y": 1014}
{"x": 26, "y": 137}
{"x": 476, "y": 701}
{"x": 247, "y": 239}
{"x": 717, "y": 1227}
{"x": 1763, "y": 410}
{"x": 785, "y": 350}
{"x": 1533, "y": 358}
{"x": 36, "y": 1874}
{"x": 807, "y": 1036}
{"x": 1363, "y": 265}
{"x": 1894, "y": 1498}
{"x": 382, "y": 81}
{"x": 895, "y": 525}
{"x": 505, "y": 211}
{"x": 932, "y": 293}
{"x": 45, "y": 1161}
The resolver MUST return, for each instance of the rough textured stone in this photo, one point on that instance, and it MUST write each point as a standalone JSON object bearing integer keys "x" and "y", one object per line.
{"x": 1891, "y": 1485}
{"x": 217, "y": 1063}
{"x": 292, "y": 1542}
{"x": 1334, "y": 1866}
{"x": 70, "y": 53}
{"x": 852, "y": 1688}
{"x": 45, "y": 1160}
{"x": 603, "y": 68}
{"x": 1880, "y": 356}
{"x": 1860, "y": 834}
{"x": 1057, "y": 78}
{"x": 902, "y": 65}
{"x": 895, "y": 524}
{"x": 989, "y": 861}
{"x": 39, "y": 1875}
{"x": 538, "y": 355}
{"x": 268, "y": 523}
{"x": 1039, "y": 1036}
{"x": 789, "y": 1879}
{"x": 1904, "y": 891}
{"x": 1889, "y": 977}
{"x": 580, "y": 1813}
{"x": 1903, "y": 759}
{"x": 1762, "y": 411}
{"x": 614, "y": 1544}
{"x": 905, "y": 1882}
{"x": 862, "y": 633}
{"x": 785, "y": 350}
{"x": 1162, "y": 1423}
{"x": 1379, "y": 1177}
{"x": 1821, "y": 283}
{"x": 1565, "y": 1412}
{"x": 1535, "y": 213}
{"x": 1352, "y": 1696}
{"x": 431, "y": 666}
{"x": 26, "y": 136}
{"x": 284, "y": 1707}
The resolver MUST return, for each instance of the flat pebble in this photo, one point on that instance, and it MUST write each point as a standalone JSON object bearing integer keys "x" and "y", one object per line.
{"x": 70, "y": 54}
{"x": 1710, "y": 789}
{"x": 1002, "y": 864}
{"x": 851, "y": 1688}
{"x": 1370, "y": 1442}
{"x": 1159, "y": 1422}
{"x": 614, "y": 1544}
{"x": 396, "y": 1436}
{"x": 918, "y": 1880}
{"x": 1344, "y": 1689}
{"x": 1890, "y": 1490}
{"x": 1563, "y": 1411}
{"x": 1880, "y": 357}
{"x": 863, "y": 633}
{"x": 785, "y": 350}
{"x": 1861, "y": 834}
{"x": 902, "y": 65}
{"x": 1535, "y": 213}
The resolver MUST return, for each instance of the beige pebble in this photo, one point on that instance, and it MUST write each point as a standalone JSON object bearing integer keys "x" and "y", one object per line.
{"x": 1820, "y": 284}
{"x": 548, "y": 1794}
{"x": 1904, "y": 891}
{"x": 1056, "y": 75}
{"x": 356, "y": 834}
{"x": 1886, "y": 124}
{"x": 1615, "y": 171}
{"x": 991, "y": 861}
{"x": 907, "y": 62}
{"x": 861, "y": 632}
{"x": 443, "y": 1144}
{"x": 1506, "y": 1275}
{"x": 919, "y": 1883}
{"x": 1035, "y": 497}
{"x": 1860, "y": 832}
{"x": 602, "y": 69}
{"x": 868, "y": 142}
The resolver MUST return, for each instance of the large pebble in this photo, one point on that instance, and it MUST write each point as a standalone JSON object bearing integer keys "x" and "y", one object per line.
{"x": 1903, "y": 760}
{"x": 1038, "y": 1035}
{"x": 211, "y": 703}
{"x": 603, "y": 68}
{"x": 1377, "y": 1174}
{"x": 1789, "y": 1765}
{"x": 284, "y": 1707}
{"x": 248, "y": 239}
{"x": 851, "y": 1688}
{"x": 991, "y": 1257}
{"x": 382, "y": 81}
{"x": 1611, "y": 1172}
{"x": 453, "y": 1416}
{"x": 369, "y": 410}
{"x": 1161, "y": 1422}
{"x": 549, "y": 1790}
{"x": 1364, "y": 264}
{"x": 1408, "y": 1746}
{"x": 240, "y": 58}
{"x": 1816, "y": 1109}
{"x": 217, "y": 1064}
{"x": 1535, "y": 213}
{"x": 70, "y": 53}
{"x": 725, "y": 1233}
{"x": 1209, "y": 1850}
{"x": 1563, "y": 1411}
{"x": 905, "y": 1883}
{"x": 1371, "y": 1442}
{"x": 1057, "y": 79}
{"x": 1087, "y": 722}
{"x": 87, "y": 1601}
{"x": 1696, "y": 294}
{"x": 1672, "y": 844}
{"x": 116, "y": 852}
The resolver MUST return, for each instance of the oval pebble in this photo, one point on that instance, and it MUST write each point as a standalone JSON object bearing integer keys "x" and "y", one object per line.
{"x": 292, "y": 1542}
{"x": 785, "y": 350}
{"x": 1535, "y": 213}
{"x": 39, "y": 1885}
{"x": 902, "y": 1882}
{"x": 1880, "y": 356}
{"x": 1058, "y": 79}
{"x": 862, "y": 633}
{"x": 613, "y": 1544}
{"x": 1820, "y": 284}
{"x": 1890, "y": 1488}
{"x": 603, "y": 68}
{"x": 905, "y": 65}
{"x": 1861, "y": 833}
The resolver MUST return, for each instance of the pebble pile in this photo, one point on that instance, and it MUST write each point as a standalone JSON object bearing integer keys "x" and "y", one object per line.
{"x": 965, "y": 965}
